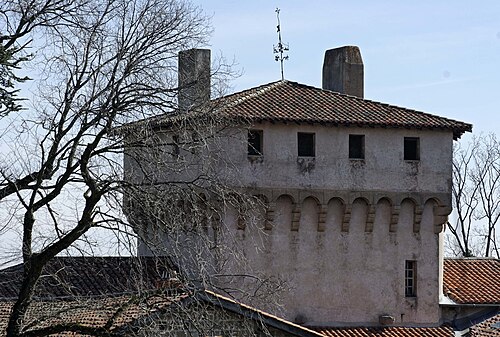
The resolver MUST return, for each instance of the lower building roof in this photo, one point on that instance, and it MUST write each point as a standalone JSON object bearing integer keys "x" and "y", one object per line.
{"x": 466, "y": 281}
{"x": 474, "y": 281}
{"x": 487, "y": 328}
{"x": 442, "y": 331}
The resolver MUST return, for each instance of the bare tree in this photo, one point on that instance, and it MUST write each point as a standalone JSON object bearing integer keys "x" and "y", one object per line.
{"x": 106, "y": 64}
{"x": 476, "y": 198}
{"x": 17, "y": 23}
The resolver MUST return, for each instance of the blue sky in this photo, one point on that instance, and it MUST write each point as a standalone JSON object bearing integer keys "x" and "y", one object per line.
{"x": 440, "y": 57}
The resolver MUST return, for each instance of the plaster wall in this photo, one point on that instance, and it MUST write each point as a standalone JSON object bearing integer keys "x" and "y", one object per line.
{"x": 346, "y": 274}
{"x": 383, "y": 168}
{"x": 338, "y": 231}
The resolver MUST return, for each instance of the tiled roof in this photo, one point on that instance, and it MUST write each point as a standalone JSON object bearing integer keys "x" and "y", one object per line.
{"x": 93, "y": 291}
{"x": 254, "y": 312}
{"x": 472, "y": 280}
{"x": 122, "y": 315}
{"x": 442, "y": 331}
{"x": 88, "y": 276}
{"x": 487, "y": 328}
{"x": 92, "y": 313}
{"x": 286, "y": 101}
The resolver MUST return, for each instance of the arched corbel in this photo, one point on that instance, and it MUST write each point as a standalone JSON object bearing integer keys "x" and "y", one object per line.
{"x": 270, "y": 210}
{"x": 295, "y": 217}
{"x": 393, "y": 226}
{"x": 417, "y": 218}
{"x": 323, "y": 209}
{"x": 370, "y": 218}
{"x": 440, "y": 217}
{"x": 347, "y": 218}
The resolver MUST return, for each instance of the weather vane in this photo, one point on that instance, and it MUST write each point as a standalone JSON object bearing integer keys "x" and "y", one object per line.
{"x": 280, "y": 48}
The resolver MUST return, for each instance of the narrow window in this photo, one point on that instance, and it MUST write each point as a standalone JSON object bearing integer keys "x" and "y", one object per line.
{"x": 412, "y": 148}
{"x": 356, "y": 147}
{"x": 305, "y": 144}
{"x": 410, "y": 278}
{"x": 175, "y": 146}
{"x": 255, "y": 138}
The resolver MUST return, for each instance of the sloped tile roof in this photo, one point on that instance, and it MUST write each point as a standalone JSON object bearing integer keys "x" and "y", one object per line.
{"x": 244, "y": 309}
{"x": 122, "y": 315}
{"x": 442, "y": 331}
{"x": 92, "y": 291}
{"x": 472, "y": 280}
{"x": 487, "y": 328}
{"x": 93, "y": 313}
{"x": 88, "y": 276}
{"x": 286, "y": 101}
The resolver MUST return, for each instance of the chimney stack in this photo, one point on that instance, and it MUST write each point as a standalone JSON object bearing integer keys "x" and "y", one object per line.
{"x": 194, "y": 78}
{"x": 343, "y": 71}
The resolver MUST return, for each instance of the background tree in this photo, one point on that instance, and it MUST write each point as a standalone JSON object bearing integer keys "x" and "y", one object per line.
{"x": 18, "y": 20}
{"x": 476, "y": 198}
{"x": 105, "y": 63}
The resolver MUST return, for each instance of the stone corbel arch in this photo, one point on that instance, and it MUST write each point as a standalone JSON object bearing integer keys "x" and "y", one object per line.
{"x": 370, "y": 217}
{"x": 416, "y": 210}
{"x": 440, "y": 214}
{"x": 295, "y": 216}
{"x": 347, "y": 218}
{"x": 367, "y": 205}
{"x": 320, "y": 222}
{"x": 392, "y": 216}
{"x": 342, "y": 212}
{"x": 268, "y": 208}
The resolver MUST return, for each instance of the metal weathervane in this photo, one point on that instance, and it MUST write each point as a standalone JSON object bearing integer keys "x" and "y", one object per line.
{"x": 280, "y": 47}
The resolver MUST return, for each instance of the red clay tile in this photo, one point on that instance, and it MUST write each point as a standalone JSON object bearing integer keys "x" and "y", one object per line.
{"x": 442, "y": 331}
{"x": 487, "y": 328}
{"x": 472, "y": 280}
{"x": 286, "y": 101}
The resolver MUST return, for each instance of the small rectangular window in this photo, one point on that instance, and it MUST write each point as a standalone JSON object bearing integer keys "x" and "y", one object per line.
{"x": 306, "y": 144}
{"x": 410, "y": 278}
{"x": 255, "y": 138}
{"x": 412, "y": 148}
{"x": 356, "y": 147}
{"x": 176, "y": 151}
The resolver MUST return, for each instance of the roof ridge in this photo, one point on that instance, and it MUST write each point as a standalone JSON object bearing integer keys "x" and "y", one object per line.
{"x": 259, "y": 90}
{"x": 376, "y": 108}
{"x": 290, "y": 101}
{"x": 362, "y": 99}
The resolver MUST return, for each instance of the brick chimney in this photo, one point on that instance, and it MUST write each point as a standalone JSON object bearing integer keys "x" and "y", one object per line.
{"x": 194, "y": 78}
{"x": 343, "y": 71}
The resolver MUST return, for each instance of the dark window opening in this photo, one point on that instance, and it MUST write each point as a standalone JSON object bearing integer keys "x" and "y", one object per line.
{"x": 255, "y": 138}
{"x": 356, "y": 147}
{"x": 412, "y": 148}
{"x": 176, "y": 151}
{"x": 410, "y": 278}
{"x": 305, "y": 144}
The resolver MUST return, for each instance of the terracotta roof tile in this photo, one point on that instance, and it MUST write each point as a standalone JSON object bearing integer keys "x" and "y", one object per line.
{"x": 223, "y": 299}
{"x": 89, "y": 312}
{"x": 96, "y": 288}
{"x": 442, "y": 331}
{"x": 487, "y": 328}
{"x": 286, "y": 101}
{"x": 87, "y": 276}
{"x": 472, "y": 280}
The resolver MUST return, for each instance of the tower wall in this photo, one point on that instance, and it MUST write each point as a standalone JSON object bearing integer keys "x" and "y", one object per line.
{"x": 337, "y": 230}
{"x": 343, "y": 257}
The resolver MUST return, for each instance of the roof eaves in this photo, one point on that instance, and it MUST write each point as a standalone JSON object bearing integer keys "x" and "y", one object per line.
{"x": 255, "y": 313}
{"x": 361, "y": 124}
{"x": 476, "y": 318}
